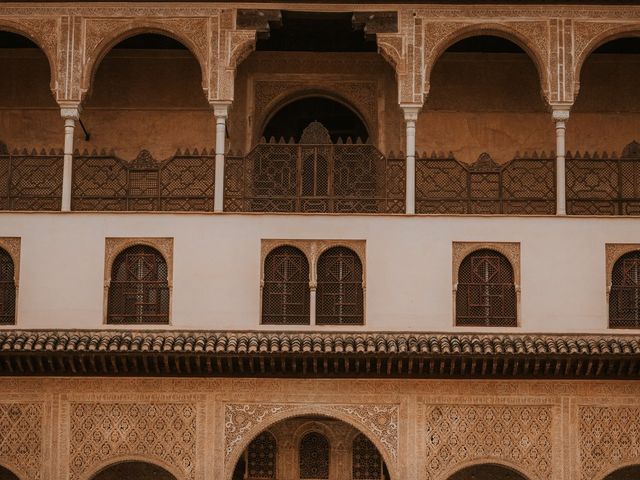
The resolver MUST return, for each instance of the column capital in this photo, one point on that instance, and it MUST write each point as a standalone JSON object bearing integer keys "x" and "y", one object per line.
{"x": 70, "y": 111}
{"x": 560, "y": 113}
{"x": 220, "y": 107}
{"x": 411, "y": 111}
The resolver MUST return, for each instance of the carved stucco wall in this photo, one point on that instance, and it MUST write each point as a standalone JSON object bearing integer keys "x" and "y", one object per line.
{"x": 197, "y": 428}
{"x": 558, "y": 38}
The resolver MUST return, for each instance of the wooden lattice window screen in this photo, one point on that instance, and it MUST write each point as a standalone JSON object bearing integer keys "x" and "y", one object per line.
{"x": 7, "y": 289}
{"x": 366, "y": 460}
{"x": 624, "y": 298}
{"x": 340, "y": 295}
{"x": 139, "y": 289}
{"x": 486, "y": 293}
{"x": 285, "y": 291}
{"x": 314, "y": 457}
{"x": 261, "y": 457}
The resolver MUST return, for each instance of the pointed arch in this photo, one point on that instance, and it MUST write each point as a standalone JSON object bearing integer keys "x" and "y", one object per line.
{"x": 124, "y": 459}
{"x": 503, "y": 31}
{"x": 603, "y": 38}
{"x": 479, "y": 462}
{"x": 43, "y": 42}
{"x": 96, "y": 53}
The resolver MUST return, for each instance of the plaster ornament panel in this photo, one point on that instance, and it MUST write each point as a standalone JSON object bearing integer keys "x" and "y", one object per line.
{"x": 608, "y": 437}
{"x": 159, "y": 430}
{"x": 514, "y": 434}
{"x": 115, "y": 245}
{"x": 21, "y": 438}
{"x": 244, "y": 421}
{"x": 269, "y": 94}
{"x": 511, "y": 250}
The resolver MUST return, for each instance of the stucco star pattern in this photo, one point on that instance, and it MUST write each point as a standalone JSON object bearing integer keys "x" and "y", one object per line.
{"x": 608, "y": 437}
{"x": 520, "y": 435}
{"x": 103, "y": 430}
{"x": 21, "y": 437}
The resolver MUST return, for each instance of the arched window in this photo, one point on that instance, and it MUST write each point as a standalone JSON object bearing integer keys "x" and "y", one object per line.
{"x": 486, "y": 294}
{"x": 285, "y": 291}
{"x": 340, "y": 296}
{"x": 139, "y": 289}
{"x": 261, "y": 457}
{"x": 7, "y": 289}
{"x": 314, "y": 457}
{"x": 366, "y": 462}
{"x": 624, "y": 299}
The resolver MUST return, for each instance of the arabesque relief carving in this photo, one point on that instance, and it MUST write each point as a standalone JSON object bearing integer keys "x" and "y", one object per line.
{"x": 609, "y": 436}
{"x": 21, "y": 438}
{"x": 518, "y": 434}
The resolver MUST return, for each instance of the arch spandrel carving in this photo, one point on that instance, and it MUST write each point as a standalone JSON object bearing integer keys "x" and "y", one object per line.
{"x": 21, "y": 441}
{"x": 244, "y": 421}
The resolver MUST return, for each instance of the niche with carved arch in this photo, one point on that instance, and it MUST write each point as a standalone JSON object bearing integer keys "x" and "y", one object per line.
{"x": 6, "y": 474}
{"x": 631, "y": 472}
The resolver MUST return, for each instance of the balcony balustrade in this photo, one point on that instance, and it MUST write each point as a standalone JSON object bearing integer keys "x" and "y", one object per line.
{"x": 184, "y": 182}
{"x": 523, "y": 186}
{"x": 604, "y": 184}
{"x": 315, "y": 177}
{"x": 30, "y": 180}
{"x": 322, "y": 177}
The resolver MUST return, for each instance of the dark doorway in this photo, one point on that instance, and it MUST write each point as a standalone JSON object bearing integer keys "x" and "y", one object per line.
{"x": 293, "y": 118}
{"x": 7, "y": 475}
{"x": 487, "y": 472}
{"x": 627, "y": 473}
{"x": 134, "y": 471}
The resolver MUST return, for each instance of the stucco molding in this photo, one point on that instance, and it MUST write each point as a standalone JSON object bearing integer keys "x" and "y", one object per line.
{"x": 511, "y": 250}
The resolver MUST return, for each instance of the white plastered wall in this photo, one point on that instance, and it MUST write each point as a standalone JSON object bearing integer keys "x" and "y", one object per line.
{"x": 216, "y": 276}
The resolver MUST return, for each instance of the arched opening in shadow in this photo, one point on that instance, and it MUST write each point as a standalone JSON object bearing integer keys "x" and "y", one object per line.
{"x": 30, "y": 117}
{"x": 627, "y": 473}
{"x": 133, "y": 471}
{"x": 311, "y": 447}
{"x": 6, "y": 474}
{"x": 146, "y": 93}
{"x": 487, "y": 472}
{"x": 606, "y": 114}
{"x": 485, "y": 96}
{"x": 341, "y": 121}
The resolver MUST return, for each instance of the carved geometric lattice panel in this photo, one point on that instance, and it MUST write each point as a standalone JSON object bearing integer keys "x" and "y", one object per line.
{"x": 21, "y": 437}
{"x": 103, "y": 430}
{"x": 458, "y": 433}
{"x": 608, "y": 436}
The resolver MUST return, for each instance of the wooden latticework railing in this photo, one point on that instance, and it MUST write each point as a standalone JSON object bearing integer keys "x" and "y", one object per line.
{"x": 523, "y": 186}
{"x": 603, "y": 184}
{"x": 30, "y": 180}
{"x": 184, "y": 182}
{"x": 314, "y": 175}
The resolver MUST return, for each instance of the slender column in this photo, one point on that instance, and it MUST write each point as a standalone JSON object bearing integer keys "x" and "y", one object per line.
{"x": 70, "y": 116}
{"x": 410, "y": 119}
{"x": 560, "y": 116}
{"x": 220, "y": 110}
{"x": 312, "y": 302}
